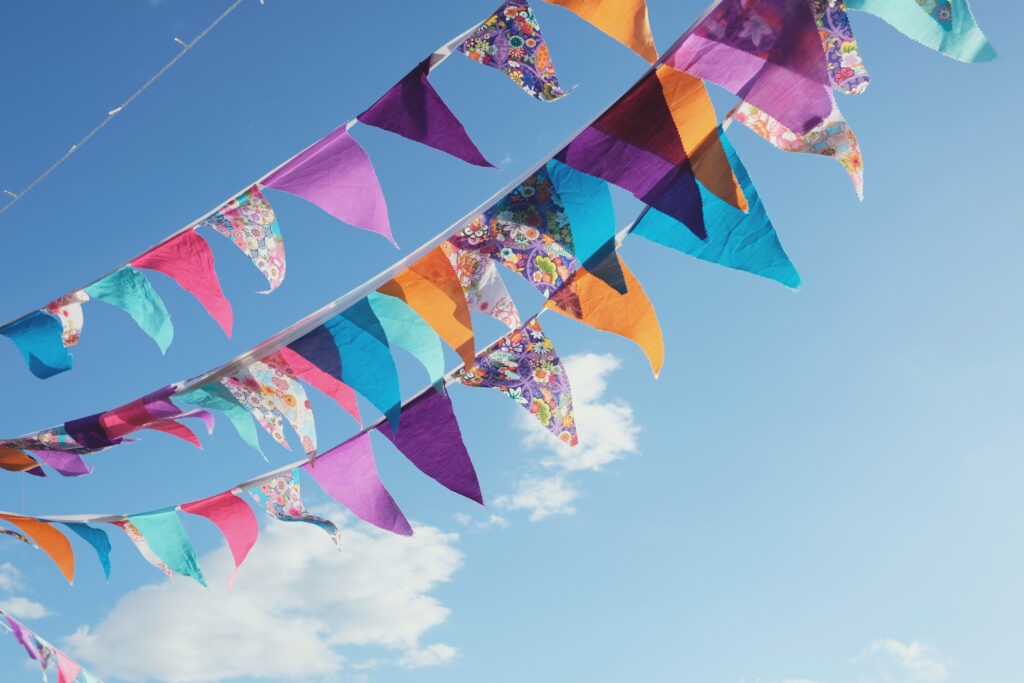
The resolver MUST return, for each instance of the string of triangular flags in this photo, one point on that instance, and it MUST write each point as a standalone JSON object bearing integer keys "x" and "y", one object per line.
{"x": 40, "y": 650}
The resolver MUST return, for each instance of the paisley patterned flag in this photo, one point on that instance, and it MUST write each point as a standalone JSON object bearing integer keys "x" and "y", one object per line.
{"x": 510, "y": 40}
{"x": 524, "y": 366}
{"x": 845, "y": 68}
{"x": 249, "y": 222}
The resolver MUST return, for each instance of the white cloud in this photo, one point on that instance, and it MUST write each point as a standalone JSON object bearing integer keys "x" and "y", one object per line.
{"x": 470, "y": 522}
{"x": 297, "y": 609}
{"x": 10, "y": 577}
{"x": 542, "y": 496}
{"x": 897, "y": 661}
{"x": 23, "y": 608}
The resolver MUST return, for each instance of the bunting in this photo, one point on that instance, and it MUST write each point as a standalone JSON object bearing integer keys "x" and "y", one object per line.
{"x": 140, "y": 542}
{"x": 235, "y": 520}
{"x": 405, "y": 328}
{"x": 249, "y": 221}
{"x": 43, "y": 652}
{"x": 842, "y": 56}
{"x": 129, "y": 290}
{"x": 39, "y": 338}
{"x": 68, "y": 310}
{"x": 626, "y": 21}
{"x": 216, "y": 396}
{"x": 281, "y": 498}
{"x": 944, "y": 25}
{"x": 166, "y": 538}
{"x": 54, "y": 543}
{"x": 272, "y": 394}
{"x": 481, "y": 284}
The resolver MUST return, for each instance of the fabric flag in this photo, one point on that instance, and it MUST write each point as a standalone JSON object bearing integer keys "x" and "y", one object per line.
{"x": 767, "y": 52}
{"x": 97, "y": 538}
{"x": 268, "y": 390}
{"x": 281, "y": 498}
{"x": 39, "y": 337}
{"x": 166, "y": 537}
{"x": 66, "y": 464}
{"x": 342, "y": 394}
{"x": 431, "y": 439}
{"x": 129, "y": 290}
{"x": 484, "y": 289}
{"x": 944, "y": 25}
{"x": 510, "y": 40}
{"x": 234, "y": 518}
{"x": 67, "y": 669}
{"x": 348, "y": 474}
{"x": 431, "y": 287}
{"x": 745, "y": 241}
{"x": 140, "y": 542}
{"x": 15, "y": 534}
{"x": 625, "y": 21}
{"x": 23, "y": 636}
{"x": 336, "y": 175}
{"x": 405, "y": 328}
{"x": 68, "y": 310}
{"x": 352, "y": 348}
{"x": 216, "y": 396}
{"x": 591, "y": 301}
{"x": 833, "y": 138}
{"x": 187, "y": 258}
{"x": 842, "y": 57}
{"x": 89, "y": 432}
{"x": 414, "y": 110}
{"x": 14, "y": 460}
{"x": 249, "y": 221}
{"x": 523, "y": 365}
{"x": 54, "y": 543}
{"x": 153, "y": 411}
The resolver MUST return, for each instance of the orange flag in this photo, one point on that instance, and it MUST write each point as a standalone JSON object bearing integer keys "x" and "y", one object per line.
{"x": 431, "y": 287}
{"x": 53, "y": 542}
{"x": 624, "y": 20}
{"x": 14, "y": 460}
{"x": 591, "y": 301}
{"x": 697, "y": 123}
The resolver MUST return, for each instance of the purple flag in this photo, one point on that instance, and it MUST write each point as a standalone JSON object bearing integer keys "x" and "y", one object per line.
{"x": 336, "y": 175}
{"x": 67, "y": 464}
{"x": 430, "y": 437}
{"x": 348, "y": 474}
{"x": 23, "y": 636}
{"x": 414, "y": 110}
{"x": 767, "y": 52}
{"x": 89, "y": 432}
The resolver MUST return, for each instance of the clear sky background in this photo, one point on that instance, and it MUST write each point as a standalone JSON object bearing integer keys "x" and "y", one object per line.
{"x": 823, "y": 486}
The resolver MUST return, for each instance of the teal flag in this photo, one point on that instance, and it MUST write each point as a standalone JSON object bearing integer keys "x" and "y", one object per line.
{"x": 947, "y": 25}
{"x": 166, "y": 537}
{"x": 215, "y": 396}
{"x": 130, "y": 290}
{"x": 404, "y": 327}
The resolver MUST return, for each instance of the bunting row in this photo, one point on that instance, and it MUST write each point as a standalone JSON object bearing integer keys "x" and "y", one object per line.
{"x": 40, "y": 650}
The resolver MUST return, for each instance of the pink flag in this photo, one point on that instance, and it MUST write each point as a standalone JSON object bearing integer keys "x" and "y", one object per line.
{"x": 330, "y": 385}
{"x": 187, "y": 258}
{"x": 67, "y": 670}
{"x": 336, "y": 175}
{"x": 234, "y": 518}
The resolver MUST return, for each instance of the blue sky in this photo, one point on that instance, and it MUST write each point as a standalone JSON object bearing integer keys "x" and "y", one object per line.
{"x": 821, "y": 487}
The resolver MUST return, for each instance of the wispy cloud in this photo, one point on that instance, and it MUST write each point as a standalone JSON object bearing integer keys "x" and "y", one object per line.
{"x": 23, "y": 608}
{"x": 10, "y": 577}
{"x": 896, "y": 661}
{"x": 542, "y": 496}
{"x": 472, "y": 523}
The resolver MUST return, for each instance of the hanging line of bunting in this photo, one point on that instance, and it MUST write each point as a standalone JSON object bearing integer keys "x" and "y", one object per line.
{"x": 43, "y": 652}
{"x": 334, "y": 173}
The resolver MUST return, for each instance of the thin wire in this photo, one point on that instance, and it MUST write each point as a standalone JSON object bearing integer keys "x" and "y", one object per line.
{"x": 114, "y": 112}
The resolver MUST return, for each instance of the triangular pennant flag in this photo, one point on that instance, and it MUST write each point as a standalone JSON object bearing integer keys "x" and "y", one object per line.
{"x": 89, "y": 432}
{"x": 281, "y": 498}
{"x": 129, "y": 290}
{"x": 14, "y": 534}
{"x": 54, "y": 543}
{"x": 215, "y": 396}
{"x": 336, "y": 175}
{"x": 343, "y": 394}
{"x": 944, "y": 25}
{"x": 272, "y": 394}
{"x": 188, "y": 259}
{"x": 67, "y": 669}
{"x": 166, "y": 537}
{"x": 39, "y": 337}
{"x": 432, "y": 288}
{"x": 97, "y": 538}
{"x": 767, "y": 52}
{"x": 405, "y": 328}
{"x": 68, "y": 310}
{"x": 348, "y": 474}
{"x": 523, "y": 365}
{"x": 66, "y": 464}
{"x": 414, "y": 110}
{"x": 589, "y": 300}
{"x": 235, "y": 520}
{"x": 635, "y": 144}
{"x": 23, "y": 636}
{"x": 842, "y": 56}
{"x": 154, "y": 411}
{"x": 431, "y": 439}
{"x": 140, "y": 542}
{"x": 745, "y": 241}
{"x": 833, "y": 138}
{"x": 14, "y": 460}
{"x": 249, "y": 221}
{"x": 485, "y": 292}
{"x": 510, "y": 40}
{"x": 352, "y": 348}
{"x": 55, "y": 439}
{"x": 624, "y": 20}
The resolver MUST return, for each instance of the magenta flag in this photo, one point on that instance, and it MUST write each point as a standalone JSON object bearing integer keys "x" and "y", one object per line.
{"x": 430, "y": 437}
{"x": 330, "y": 385}
{"x": 188, "y": 259}
{"x": 336, "y": 175}
{"x": 234, "y": 518}
{"x": 67, "y": 669}
{"x": 414, "y": 110}
{"x": 348, "y": 474}
{"x": 767, "y": 52}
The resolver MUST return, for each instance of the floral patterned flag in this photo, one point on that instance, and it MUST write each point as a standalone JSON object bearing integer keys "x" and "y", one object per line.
{"x": 269, "y": 390}
{"x": 845, "y": 68}
{"x": 249, "y": 221}
{"x": 15, "y": 534}
{"x": 510, "y": 40}
{"x": 833, "y": 138}
{"x": 944, "y": 25}
{"x": 68, "y": 310}
{"x": 482, "y": 285}
{"x": 524, "y": 366}
{"x": 281, "y": 498}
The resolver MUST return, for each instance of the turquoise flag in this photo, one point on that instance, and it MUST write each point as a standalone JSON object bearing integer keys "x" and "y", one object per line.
{"x": 215, "y": 396}
{"x": 97, "y": 538}
{"x": 166, "y": 537}
{"x": 129, "y": 289}
{"x": 947, "y": 25}
{"x": 404, "y": 327}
